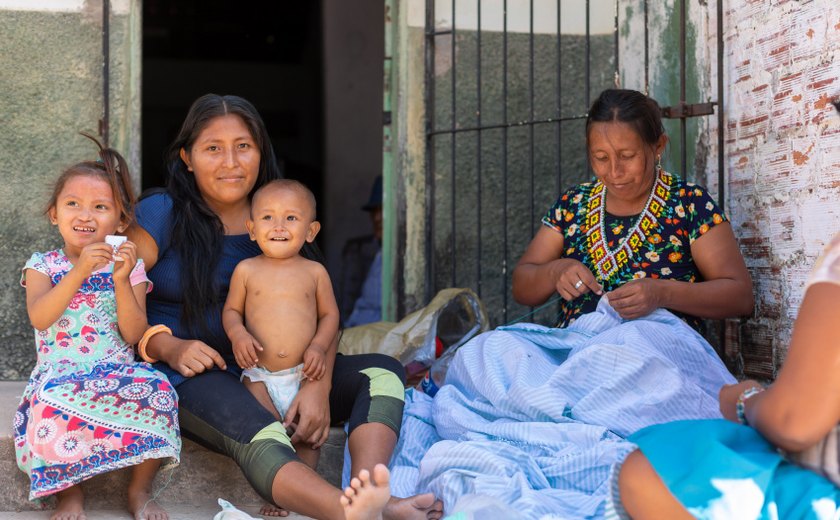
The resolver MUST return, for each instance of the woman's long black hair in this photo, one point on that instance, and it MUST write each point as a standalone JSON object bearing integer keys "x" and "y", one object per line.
{"x": 198, "y": 233}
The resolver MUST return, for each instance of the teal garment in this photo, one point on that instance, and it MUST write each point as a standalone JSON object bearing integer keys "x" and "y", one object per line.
{"x": 722, "y": 470}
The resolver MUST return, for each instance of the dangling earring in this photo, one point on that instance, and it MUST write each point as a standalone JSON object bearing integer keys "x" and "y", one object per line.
{"x": 658, "y": 163}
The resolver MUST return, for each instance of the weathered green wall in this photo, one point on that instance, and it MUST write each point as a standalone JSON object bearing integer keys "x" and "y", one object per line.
{"x": 663, "y": 74}
{"x": 51, "y": 85}
{"x": 405, "y": 201}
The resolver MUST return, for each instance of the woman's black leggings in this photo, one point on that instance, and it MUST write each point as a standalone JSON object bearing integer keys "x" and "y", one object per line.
{"x": 218, "y": 412}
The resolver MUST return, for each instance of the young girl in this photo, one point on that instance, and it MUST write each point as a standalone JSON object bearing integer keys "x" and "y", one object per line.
{"x": 89, "y": 407}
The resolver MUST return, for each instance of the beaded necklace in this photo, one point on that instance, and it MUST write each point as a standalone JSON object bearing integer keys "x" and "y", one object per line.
{"x": 608, "y": 261}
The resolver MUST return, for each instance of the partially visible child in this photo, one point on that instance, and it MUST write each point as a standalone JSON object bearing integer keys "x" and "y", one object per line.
{"x": 281, "y": 315}
{"x": 89, "y": 406}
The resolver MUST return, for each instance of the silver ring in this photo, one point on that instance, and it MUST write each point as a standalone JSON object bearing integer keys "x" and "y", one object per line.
{"x": 578, "y": 284}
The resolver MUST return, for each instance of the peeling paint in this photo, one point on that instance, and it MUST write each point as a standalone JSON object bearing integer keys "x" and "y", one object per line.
{"x": 800, "y": 158}
{"x": 822, "y": 102}
{"x": 783, "y": 156}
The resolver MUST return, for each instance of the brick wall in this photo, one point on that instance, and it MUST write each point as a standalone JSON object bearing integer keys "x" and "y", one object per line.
{"x": 782, "y": 68}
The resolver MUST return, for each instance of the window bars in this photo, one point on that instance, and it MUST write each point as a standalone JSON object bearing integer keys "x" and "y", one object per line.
{"x": 507, "y": 87}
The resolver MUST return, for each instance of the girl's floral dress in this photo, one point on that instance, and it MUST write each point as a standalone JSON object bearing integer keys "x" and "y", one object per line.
{"x": 655, "y": 243}
{"x": 89, "y": 407}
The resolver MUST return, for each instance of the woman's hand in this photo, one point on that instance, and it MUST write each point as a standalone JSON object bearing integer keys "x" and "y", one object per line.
{"x": 543, "y": 271}
{"x": 729, "y": 395}
{"x": 637, "y": 298}
{"x": 309, "y": 414}
{"x": 191, "y": 356}
{"x": 572, "y": 279}
{"x": 125, "y": 260}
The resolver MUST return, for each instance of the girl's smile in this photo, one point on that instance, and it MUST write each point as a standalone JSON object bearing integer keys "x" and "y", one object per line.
{"x": 85, "y": 212}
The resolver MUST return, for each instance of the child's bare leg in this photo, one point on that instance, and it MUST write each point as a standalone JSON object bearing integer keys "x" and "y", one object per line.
{"x": 643, "y": 494}
{"x": 308, "y": 455}
{"x": 371, "y": 444}
{"x": 365, "y": 499}
{"x": 70, "y": 506}
{"x": 140, "y": 503}
{"x": 259, "y": 391}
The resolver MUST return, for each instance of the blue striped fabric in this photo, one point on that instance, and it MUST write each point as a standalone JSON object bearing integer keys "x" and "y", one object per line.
{"x": 535, "y": 417}
{"x": 614, "y": 509}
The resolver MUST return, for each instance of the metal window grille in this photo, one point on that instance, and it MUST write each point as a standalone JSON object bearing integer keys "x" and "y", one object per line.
{"x": 507, "y": 91}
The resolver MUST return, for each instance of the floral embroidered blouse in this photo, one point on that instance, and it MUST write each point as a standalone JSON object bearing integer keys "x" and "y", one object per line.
{"x": 655, "y": 244}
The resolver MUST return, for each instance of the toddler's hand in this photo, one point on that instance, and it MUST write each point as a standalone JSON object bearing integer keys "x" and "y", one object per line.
{"x": 245, "y": 348}
{"x": 314, "y": 364}
{"x": 94, "y": 257}
{"x": 125, "y": 260}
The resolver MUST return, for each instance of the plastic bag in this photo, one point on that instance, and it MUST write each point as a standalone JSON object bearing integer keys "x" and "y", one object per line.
{"x": 453, "y": 315}
{"x": 229, "y": 512}
{"x": 436, "y": 375}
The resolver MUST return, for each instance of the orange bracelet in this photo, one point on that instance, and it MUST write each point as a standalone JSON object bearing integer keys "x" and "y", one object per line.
{"x": 151, "y": 331}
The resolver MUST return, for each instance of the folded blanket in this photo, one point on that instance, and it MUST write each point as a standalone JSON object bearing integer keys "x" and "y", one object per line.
{"x": 536, "y": 417}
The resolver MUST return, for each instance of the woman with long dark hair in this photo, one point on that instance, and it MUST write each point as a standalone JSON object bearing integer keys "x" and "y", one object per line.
{"x": 191, "y": 237}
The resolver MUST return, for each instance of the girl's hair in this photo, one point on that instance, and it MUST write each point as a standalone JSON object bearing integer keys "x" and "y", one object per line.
{"x": 112, "y": 168}
{"x": 198, "y": 233}
{"x": 639, "y": 111}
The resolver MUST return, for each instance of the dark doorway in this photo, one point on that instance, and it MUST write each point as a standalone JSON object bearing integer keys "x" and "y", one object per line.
{"x": 265, "y": 51}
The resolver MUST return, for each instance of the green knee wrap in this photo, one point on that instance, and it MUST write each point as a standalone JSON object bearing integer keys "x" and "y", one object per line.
{"x": 387, "y": 397}
{"x": 260, "y": 459}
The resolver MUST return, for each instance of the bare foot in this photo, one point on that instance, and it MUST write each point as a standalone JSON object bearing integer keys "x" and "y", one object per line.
{"x": 70, "y": 506}
{"x": 365, "y": 499}
{"x": 418, "y": 507}
{"x": 142, "y": 507}
{"x": 272, "y": 510}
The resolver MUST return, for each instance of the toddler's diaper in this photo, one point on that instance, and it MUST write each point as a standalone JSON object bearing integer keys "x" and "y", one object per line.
{"x": 282, "y": 385}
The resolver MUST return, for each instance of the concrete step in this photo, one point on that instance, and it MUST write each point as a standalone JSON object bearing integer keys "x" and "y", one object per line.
{"x": 176, "y": 512}
{"x": 191, "y": 488}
